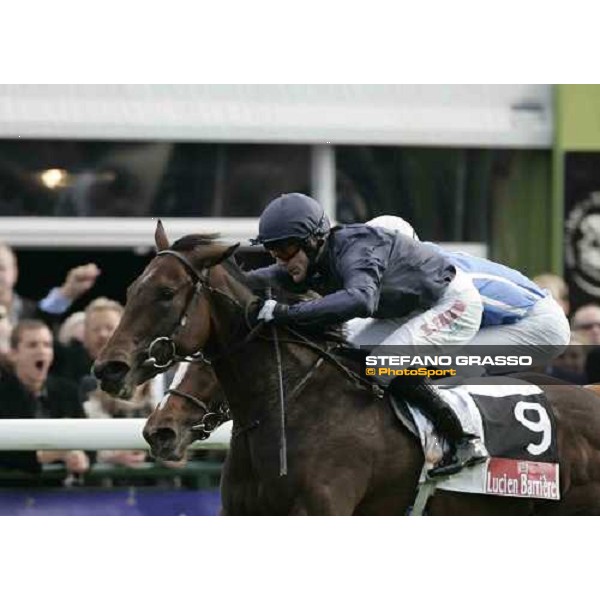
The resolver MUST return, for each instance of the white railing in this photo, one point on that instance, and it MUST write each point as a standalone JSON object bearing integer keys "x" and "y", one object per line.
{"x": 100, "y": 232}
{"x": 89, "y": 434}
{"x": 138, "y": 233}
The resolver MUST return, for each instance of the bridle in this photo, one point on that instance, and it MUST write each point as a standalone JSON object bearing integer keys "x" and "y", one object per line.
{"x": 164, "y": 346}
{"x": 212, "y": 417}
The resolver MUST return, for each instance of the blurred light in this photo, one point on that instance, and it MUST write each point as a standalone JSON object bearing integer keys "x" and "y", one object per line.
{"x": 54, "y": 178}
{"x": 106, "y": 176}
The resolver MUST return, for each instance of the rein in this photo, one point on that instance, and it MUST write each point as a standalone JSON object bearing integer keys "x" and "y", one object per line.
{"x": 351, "y": 375}
{"x": 282, "y": 438}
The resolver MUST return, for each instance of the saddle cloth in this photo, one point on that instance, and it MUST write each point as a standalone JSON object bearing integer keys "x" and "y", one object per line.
{"x": 514, "y": 421}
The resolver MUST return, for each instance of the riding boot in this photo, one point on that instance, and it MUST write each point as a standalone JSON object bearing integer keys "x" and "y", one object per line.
{"x": 464, "y": 449}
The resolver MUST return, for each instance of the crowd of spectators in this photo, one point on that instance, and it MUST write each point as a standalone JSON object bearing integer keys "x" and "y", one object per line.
{"x": 580, "y": 362}
{"x": 46, "y": 355}
{"x": 28, "y": 390}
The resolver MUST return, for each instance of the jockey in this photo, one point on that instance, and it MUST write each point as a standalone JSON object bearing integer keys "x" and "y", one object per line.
{"x": 515, "y": 310}
{"x": 407, "y": 292}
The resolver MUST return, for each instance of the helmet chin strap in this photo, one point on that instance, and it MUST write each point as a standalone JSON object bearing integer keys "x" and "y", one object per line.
{"x": 314, "y": 251}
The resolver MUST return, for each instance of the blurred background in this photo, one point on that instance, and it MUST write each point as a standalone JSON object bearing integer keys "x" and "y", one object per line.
{"x": 504, "y": 171}
{"x": 83, "y": 169}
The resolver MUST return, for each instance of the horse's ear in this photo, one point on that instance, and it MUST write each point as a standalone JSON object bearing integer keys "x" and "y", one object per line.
{"x": 230, "y": 251}
{"x": 160, "y": 237}
{"x": 217, "y": 258}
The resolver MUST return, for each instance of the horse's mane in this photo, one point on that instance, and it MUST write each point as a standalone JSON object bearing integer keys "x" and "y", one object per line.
{"x": 190, "y": 242}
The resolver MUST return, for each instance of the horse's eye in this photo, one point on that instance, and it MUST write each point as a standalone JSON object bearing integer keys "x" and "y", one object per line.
{"x": 166, "y": 293}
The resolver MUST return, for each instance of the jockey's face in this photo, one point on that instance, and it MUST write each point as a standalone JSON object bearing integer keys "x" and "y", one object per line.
{"x": 290, "y": 254}
{"x": 296, "y": 265}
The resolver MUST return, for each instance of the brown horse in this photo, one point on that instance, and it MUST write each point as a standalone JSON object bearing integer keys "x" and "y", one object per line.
{"x": 347, "y": 452}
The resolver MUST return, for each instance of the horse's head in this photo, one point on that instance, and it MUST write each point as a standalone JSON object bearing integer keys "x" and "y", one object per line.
{"x": 193, "y": 407}
{"x": 167, "y": 314}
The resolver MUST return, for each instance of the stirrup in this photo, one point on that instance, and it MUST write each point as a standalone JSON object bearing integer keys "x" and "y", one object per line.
{"x": 446, "y": 468}
{"x": 450, "y": 468}
{"x": 453, "y": 463}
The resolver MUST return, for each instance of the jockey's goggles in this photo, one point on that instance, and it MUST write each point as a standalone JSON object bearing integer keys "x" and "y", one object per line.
{"x": 283, "y": 250}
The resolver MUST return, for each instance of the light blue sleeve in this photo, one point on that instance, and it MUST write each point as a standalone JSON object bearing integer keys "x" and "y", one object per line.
{"x": 55, "y": 302}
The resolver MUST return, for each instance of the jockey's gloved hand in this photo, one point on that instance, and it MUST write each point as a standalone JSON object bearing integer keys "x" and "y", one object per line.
{"x": 272, "y": 310}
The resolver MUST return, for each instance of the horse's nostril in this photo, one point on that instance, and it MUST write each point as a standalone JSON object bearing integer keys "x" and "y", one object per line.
{"x": 160, "y": 440}
{"x": 164, "y": 435}
{"x": 113, "y": 371}
{"x": 163, "y": 443}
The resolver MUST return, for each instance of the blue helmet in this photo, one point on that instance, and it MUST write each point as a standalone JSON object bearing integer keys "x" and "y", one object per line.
{"x": 291, "y": 216}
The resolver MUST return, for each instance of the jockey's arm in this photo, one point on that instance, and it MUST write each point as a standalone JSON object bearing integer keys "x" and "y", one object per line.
{"x": 332, "y": 309}
{"x": 361, "y": 271}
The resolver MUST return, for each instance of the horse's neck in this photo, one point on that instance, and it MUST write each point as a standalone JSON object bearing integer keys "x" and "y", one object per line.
{"x": 248, "y": 369}
{"x": 251, "y": 376}
{"x": 229, "y": 304}
{"x": 234, "y": 364}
